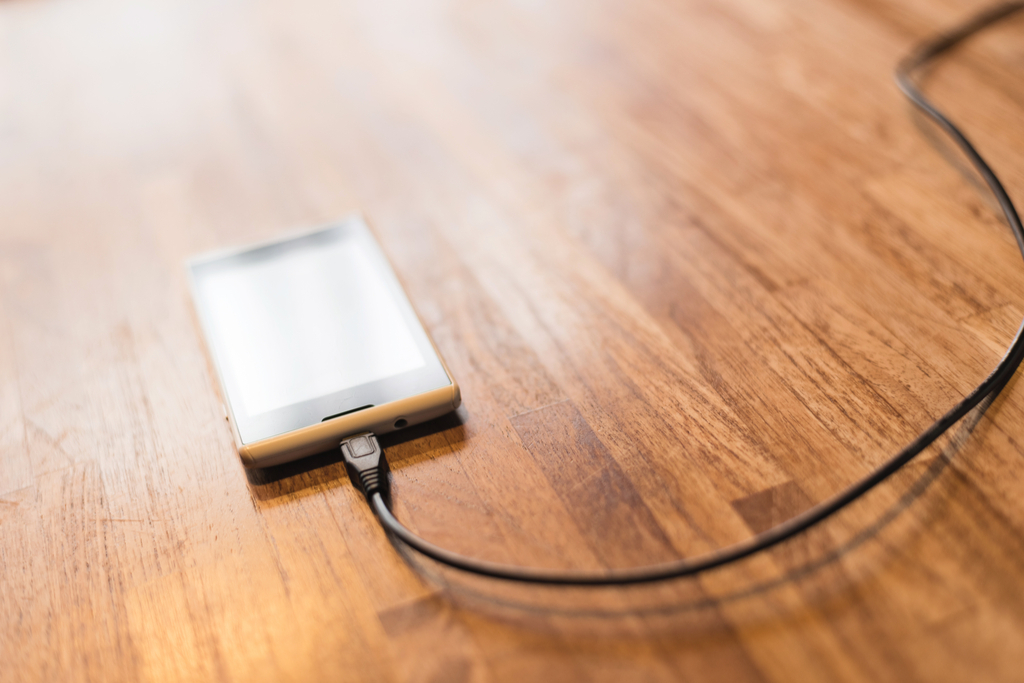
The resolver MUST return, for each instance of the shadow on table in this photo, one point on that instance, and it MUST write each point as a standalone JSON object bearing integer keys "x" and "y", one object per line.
{"x": 703, "y": 597}
{"x": 328, "y": 468}
{"x": 810, "y": 561}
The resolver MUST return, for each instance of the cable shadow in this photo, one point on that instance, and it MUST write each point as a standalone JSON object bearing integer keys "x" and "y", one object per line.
{"x": 539, "y": 601}
{"x": 952, "y": 155}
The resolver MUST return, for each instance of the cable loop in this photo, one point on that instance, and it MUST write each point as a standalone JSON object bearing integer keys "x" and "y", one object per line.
{"x": 989, "y": 388}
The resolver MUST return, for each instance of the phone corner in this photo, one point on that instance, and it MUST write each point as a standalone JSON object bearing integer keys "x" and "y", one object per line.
{"x": 456, "y": 395}
{"x": 247, "y": 458}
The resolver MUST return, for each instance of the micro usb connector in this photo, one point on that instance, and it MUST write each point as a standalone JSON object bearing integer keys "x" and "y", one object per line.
{"x": 366, "y": 464}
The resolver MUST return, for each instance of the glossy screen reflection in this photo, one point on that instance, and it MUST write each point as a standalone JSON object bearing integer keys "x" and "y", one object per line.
{"x": 316, "y": 319}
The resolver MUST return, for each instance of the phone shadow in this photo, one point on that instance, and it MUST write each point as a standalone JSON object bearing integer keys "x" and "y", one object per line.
{"x": 328, "y": 468}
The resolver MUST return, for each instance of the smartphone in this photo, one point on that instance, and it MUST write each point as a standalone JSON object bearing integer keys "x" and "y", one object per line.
{"x": 313, "y": 339}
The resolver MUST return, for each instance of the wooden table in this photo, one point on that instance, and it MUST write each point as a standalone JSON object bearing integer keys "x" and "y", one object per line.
{"x": 693, "y": 264}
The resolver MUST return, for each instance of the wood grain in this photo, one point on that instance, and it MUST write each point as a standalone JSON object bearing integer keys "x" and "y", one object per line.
{"x": 694, "y": 265}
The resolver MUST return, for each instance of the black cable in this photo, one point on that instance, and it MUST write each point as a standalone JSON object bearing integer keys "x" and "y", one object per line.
{"x": 375, "y": 486}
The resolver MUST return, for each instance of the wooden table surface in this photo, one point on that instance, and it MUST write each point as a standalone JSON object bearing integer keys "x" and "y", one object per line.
{"x": 694, "y": 264}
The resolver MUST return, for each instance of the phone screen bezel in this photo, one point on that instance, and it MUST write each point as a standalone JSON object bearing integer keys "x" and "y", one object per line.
{"x": 254, "y": 428}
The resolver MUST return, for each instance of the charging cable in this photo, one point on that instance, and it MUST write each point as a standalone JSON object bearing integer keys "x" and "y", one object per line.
{"x": 368, "y": 467}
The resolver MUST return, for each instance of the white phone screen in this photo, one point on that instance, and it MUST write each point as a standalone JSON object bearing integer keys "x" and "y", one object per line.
{"x": 305, "y": 323}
